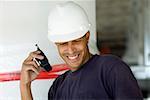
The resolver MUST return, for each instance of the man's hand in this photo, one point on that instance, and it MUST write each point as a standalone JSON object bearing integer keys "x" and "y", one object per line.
{"x": 29, "y": 72}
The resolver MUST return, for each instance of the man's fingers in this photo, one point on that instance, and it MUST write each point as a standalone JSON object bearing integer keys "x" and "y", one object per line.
{"x": 33, "y": 63}
{"x": 35, "y": 54}
{"x": 30, "y": 65}
{"x": 31, "y": 68}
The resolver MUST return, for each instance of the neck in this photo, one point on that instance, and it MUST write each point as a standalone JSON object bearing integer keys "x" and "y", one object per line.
{"x": 89, "y": 55}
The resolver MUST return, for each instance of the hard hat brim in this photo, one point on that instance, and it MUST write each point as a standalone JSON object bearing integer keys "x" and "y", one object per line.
{"x": 66, "y": 38}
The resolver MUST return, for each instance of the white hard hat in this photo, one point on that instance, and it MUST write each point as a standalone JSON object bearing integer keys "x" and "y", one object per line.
{"x": 67, "y": 21}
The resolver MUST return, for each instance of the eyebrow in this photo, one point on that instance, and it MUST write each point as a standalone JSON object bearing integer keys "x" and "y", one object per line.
{"x": 72, "y": 40}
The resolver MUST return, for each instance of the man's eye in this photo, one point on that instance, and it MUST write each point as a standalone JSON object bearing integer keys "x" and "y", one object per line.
{"x": 62, "y": 44}
{"x": 78, "y": 40}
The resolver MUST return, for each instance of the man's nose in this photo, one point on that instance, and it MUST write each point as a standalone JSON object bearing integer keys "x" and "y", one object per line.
{"x": 71, "y": 48}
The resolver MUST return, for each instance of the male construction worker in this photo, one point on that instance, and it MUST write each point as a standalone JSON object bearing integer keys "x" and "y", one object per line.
{"x": 91, "y": 76}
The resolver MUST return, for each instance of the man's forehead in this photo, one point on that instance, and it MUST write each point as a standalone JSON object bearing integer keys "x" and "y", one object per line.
{"x": 70, "y": 40}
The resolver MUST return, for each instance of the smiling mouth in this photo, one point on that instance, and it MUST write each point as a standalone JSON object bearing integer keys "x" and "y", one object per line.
{"x": 73, "y": 57}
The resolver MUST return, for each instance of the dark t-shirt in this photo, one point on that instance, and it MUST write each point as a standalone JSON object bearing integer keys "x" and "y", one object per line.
{"x": 100, "y": 78}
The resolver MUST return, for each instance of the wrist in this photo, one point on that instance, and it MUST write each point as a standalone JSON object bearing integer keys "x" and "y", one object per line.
{"x": 25, "y": 90}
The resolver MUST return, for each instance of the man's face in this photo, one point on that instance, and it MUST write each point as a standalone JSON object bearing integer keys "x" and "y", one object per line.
{"x": 75, "y": 53}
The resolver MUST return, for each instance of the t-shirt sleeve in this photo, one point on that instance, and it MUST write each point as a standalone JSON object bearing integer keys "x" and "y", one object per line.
{"x": 122, "y": 82}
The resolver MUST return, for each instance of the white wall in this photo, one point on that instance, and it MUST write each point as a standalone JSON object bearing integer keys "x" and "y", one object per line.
{"x": 22, "y": 25}
{"x": 147, "y": 32}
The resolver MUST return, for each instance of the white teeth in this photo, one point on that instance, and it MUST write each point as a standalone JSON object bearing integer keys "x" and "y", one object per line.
{"x": 73, "y": 57}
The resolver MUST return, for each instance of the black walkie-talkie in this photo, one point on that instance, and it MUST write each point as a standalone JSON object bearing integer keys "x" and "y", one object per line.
{"x": 44, "y": 62}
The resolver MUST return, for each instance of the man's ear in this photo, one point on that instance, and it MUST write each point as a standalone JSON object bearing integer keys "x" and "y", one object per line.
{"x": 87, "y": 36}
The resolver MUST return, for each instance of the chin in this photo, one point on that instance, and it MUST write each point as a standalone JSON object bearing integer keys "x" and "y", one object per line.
{"x": 74, "y": 66}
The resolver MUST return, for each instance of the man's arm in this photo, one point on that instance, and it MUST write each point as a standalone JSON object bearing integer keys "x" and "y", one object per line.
{"x": 26, "y": 92}
{"x": 29, "y": 72}
{"x": 126, "y": 86}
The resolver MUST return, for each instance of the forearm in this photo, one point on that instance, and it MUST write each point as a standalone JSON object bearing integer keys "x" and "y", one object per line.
{"x": 26, "y": 93}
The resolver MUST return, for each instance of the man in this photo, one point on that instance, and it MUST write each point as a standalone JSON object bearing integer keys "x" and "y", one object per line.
{"x": 91, "y": 77}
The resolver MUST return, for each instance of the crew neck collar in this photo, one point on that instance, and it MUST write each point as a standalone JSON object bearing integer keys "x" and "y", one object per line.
{"x": 77, "y": 71}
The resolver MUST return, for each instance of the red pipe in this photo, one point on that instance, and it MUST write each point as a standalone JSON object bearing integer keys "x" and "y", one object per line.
{"x": 14, "y": 76}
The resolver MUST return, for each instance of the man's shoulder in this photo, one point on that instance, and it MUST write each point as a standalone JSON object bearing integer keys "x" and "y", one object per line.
{"x": 62, "y": 76}
{"x": 107, "y": 58}
{"x": 108, "y": 61}
{"x": 58, "y": 81}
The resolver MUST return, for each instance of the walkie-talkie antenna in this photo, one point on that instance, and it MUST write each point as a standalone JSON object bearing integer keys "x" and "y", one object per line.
{"x": 37, "y": 46}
